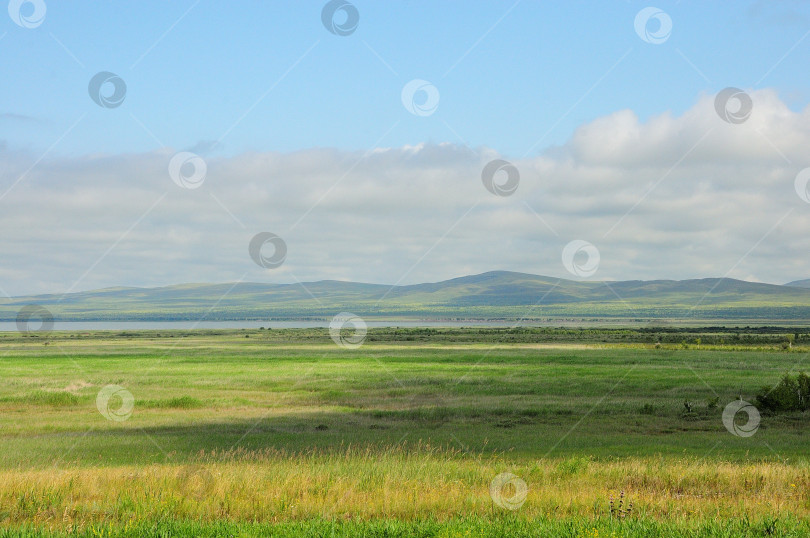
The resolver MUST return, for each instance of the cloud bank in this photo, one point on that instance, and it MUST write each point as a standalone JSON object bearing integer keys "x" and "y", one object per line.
{"x": 670, "y": 197}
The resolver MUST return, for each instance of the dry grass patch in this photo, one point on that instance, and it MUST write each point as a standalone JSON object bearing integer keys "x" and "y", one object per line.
{"x": 368, "y": 483}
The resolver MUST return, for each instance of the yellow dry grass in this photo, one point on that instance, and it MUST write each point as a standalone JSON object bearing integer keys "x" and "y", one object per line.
{"x": 372, "y": 483}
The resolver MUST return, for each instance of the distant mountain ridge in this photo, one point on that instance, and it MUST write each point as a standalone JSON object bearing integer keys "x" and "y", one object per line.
{"x": 492, "y": 295}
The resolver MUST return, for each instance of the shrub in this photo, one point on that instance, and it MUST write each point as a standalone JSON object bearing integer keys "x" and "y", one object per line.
{"x": 790, "y": 394}
{"x": 647, "y": 409}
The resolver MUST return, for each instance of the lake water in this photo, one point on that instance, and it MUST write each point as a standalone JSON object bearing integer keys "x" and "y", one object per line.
{"x": 186, "y": 325}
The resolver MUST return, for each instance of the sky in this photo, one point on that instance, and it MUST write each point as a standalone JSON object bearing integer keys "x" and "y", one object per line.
{"x": 147, "y": 143}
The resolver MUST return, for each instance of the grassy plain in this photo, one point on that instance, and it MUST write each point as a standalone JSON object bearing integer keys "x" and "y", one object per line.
{"x": 256, "y": 432}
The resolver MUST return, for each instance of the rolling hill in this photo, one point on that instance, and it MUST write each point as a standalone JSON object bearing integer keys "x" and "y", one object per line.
{"x": 492, "y": 295}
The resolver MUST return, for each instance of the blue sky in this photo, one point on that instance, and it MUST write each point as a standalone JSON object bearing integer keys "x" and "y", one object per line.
{"x": 506, "y": 72}
{"x": 617, "y": 141}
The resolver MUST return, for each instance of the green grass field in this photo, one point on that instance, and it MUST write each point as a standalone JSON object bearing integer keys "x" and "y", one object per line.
{"x": 242, "y": 433}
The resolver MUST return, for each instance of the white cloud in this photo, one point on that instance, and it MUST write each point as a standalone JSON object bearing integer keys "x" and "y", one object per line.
{"x": 669, "y": 197}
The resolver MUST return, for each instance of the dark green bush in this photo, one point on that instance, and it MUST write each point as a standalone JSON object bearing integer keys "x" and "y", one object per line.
{"x": 790, "y": 394}
{"x": 647, "y": 409}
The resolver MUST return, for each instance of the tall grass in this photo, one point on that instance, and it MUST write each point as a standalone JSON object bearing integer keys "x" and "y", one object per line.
{"x": 371, "y": 483}
{"x": 57, "y": 398}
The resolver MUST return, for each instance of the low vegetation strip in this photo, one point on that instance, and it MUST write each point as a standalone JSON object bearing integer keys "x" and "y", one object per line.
{"x": 480, "y": 527}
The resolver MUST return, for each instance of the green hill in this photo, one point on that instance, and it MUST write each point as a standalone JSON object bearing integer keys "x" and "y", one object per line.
{"x": 493, "y": 295}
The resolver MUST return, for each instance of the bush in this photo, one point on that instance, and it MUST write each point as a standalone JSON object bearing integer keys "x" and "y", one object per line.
{"x": 790, "y": 394}
{"x": 647, "y": 409}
